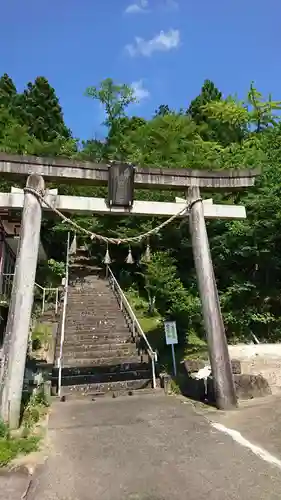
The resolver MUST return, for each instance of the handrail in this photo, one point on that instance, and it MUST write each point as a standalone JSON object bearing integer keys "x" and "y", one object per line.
{"x": 136, "y": 325}
{"x": 65, "y": 298}
{"x": 44, "y": 289}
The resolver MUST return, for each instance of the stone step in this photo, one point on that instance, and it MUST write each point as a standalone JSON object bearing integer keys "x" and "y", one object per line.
{"x": 109, "y": 363}
{"x": 93, "y": 302}
{"x": 89, "y": 359}
{"x": 101, "y": 378}
{"x": 94, "y": 309}
{"x": 91, "y": 323}
{"x": 69, "y": 342}
{"x": 94, "y": 305}
{"x": 107, "y": 388}
{"x": 93, "y": 333}
{"x": 101, "y": 296}
{"x": 94, "y": 396}
{"x": 97, "y": 315}
{"x": 78, "y": 326}
{"x": 121, "y": 352}
{"x": 99, "y": 347}
{"x": 96, "y": 340}
{"x": 98, "y": 288}
{"x": 118, "y": 370}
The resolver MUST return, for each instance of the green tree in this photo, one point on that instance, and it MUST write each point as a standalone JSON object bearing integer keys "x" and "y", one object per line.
{"x": 8, "y": 92}
{"x": 92, "y": 150}
{"x": 40, "y": 111}
{"x": 209, "y": 93}
{"x": 115, "y": 99}
{"x": 253, "y": 114}
{"x": 211, "y": 127}
{"x": 262, "y": 112}
{"x": 14, "y": 137}
{"x": 163, "y": 110}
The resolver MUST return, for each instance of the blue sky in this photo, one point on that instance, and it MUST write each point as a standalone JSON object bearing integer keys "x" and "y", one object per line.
{"x": 166, "y": 48}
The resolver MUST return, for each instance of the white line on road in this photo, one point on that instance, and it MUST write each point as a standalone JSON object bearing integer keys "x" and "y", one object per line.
{"x": 257, "y": 450}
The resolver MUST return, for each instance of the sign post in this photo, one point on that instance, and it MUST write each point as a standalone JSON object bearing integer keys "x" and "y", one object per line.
{"x": 171, "y": 339}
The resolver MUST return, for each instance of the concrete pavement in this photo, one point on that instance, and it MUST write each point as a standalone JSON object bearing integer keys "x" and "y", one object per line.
{"x": 13, "y": 485}
{"x": 258, "y": 420}
{"x": 146, "y": 448}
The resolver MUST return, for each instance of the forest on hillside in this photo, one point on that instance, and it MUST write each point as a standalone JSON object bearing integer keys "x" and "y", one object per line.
{"x": 210, "y": 132}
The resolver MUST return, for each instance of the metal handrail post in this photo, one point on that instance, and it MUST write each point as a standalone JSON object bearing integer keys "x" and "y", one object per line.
{"x": 153, "y": 372}
{"x": 57, "y": 300}
{"x": 43, "y": 300}
{"x": 64, "y": 313}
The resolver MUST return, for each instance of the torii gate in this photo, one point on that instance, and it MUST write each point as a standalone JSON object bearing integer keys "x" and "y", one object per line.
{"x": 66, "y": 171}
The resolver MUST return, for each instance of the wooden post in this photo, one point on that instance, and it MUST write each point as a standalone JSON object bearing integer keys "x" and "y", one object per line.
{"x": 17, "y": 331}
{"x": 218, "y": 350}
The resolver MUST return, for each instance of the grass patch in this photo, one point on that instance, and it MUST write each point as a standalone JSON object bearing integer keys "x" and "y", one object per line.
{"x": 41, "y": 336}
{"x": 12, "y": 447}
{"x": 196, "y": 348}
{"x": 149, "y": 323}
{"x": 25, "y": 440}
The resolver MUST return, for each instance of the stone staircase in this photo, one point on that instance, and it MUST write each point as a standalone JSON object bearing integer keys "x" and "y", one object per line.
{"x": 100, "y": 355}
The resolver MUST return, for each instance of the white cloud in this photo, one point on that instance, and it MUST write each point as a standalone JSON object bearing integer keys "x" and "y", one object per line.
{"x": 140, "y": 92}
{"x": 172, "y": 4}
{"x": 139, "y": 7}
{"x": 163, "y": 42}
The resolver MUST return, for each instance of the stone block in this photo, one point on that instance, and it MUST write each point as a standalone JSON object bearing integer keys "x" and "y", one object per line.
{"x": 192, "y": 365}
{"x": 247, "y": 387}
{"x": 193, "y": 388}
{"x": 251, "y": 386}
{"x": 166, "y": 382}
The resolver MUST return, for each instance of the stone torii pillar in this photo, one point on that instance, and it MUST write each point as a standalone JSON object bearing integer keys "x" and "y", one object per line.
{"x": 225, "y": 394}
{"x": 18, "y": 324}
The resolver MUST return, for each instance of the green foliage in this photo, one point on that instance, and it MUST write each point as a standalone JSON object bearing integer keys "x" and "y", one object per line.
{"x": 57, "y": 268}
{"x": 228, "y": 112}
{"x": 40, "y": 111}
{"x": 24, "y": 441}
{"x": 209, "y": 93}
{"x": 11, "y": 448}
{"x": 8, "y": 92}
{"x": 163, "y": 110}
{"x": 261, "y": 110}
{"x": 4, "y": 430}
{"x": 114, "y": 98}
{"x": 41, "y": 336}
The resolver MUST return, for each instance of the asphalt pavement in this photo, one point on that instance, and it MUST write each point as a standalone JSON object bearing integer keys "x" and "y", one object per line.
{"x": 148, "y": 448}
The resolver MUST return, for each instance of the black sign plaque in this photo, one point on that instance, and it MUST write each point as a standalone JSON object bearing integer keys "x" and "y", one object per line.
{"x": 121, "y": 185}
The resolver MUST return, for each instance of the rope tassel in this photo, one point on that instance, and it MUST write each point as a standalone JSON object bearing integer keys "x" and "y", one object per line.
{"x": 107, "y": 259}
{"x": 147, "y": 255}
{"x": 129, "y": 259}
{"x": 73, "y": 246}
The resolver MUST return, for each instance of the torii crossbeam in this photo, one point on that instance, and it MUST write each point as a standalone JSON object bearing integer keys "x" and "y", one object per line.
{"x": 89, "y": 205}
{"x": 65, "y": 171}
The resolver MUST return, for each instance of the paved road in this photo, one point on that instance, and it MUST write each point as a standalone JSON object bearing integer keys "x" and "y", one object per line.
{"x": 259, "y": 420}
{"x": 13, "y": 486}
{"x": 146, "y": 448}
